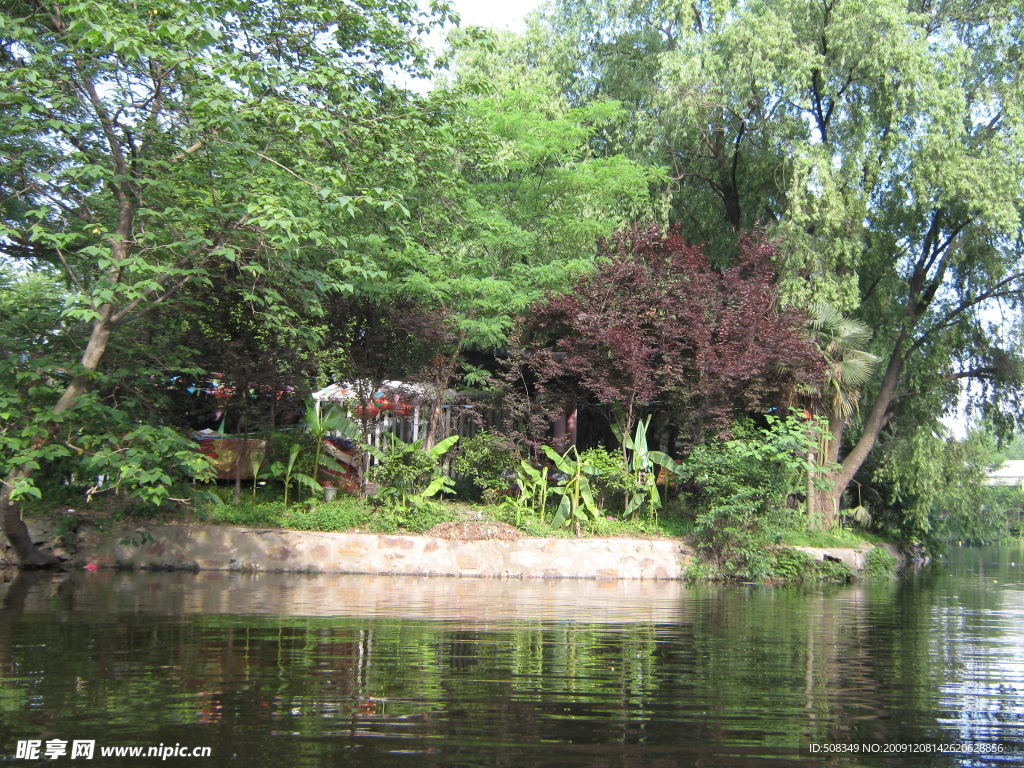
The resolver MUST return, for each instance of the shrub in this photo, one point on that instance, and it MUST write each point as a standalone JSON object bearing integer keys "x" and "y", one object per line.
{"x": 613, "y": 481}
{"x": 422, "y": 518}
{"x": 342, "y": 515}
{"x": 880, "y": 565}
{"x": 792, "y": 565}
{"x": 409, "y": 474}
{"x": 703, "y": 571}
{"x": 742, "y": 488}
{"x": 408, "y": 469}
{"x": 490, "y": 462}
{"x": 830, "y": 570}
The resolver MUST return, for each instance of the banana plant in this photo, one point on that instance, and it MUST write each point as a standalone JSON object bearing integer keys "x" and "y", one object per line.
{"x": 577, "y": 502}
{"x": 670, "y": 464}
{"x": 288, "y": 472}
{"x": 641, "y": 466}
{"x": 320, "y": 423}
{"x": 533, "y": 492}
{"x": 402, "y": 469}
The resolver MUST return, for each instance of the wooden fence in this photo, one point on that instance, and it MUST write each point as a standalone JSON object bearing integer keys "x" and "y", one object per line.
{"x": 460, "y": 420}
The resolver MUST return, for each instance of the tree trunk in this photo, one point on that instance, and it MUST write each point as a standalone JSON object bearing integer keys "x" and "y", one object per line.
{"x": 434, "y": 418}
{"x": 823, "y": 504}
{"x": 29, "y": 556}
{"x": 880, "y": 414}
{"x": 102, "y": 325}
{"x": 812, "y": 491}
{"x": 442, "y": 378}
{"x": 237, "y": 499}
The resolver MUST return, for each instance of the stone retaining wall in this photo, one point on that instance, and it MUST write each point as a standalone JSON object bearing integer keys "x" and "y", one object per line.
{"x": 255, "y": 550}
{"x": 855, "y": 558}
{"x": 223, "y": 548}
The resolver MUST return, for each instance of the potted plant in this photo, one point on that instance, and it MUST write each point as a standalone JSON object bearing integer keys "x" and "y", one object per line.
{"x": 330, "y": 491}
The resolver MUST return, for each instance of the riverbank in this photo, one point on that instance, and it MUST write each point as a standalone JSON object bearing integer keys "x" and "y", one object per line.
{"x": 476, "y": 549}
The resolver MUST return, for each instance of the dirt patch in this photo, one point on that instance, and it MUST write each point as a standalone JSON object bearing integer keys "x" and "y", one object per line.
{"x": 476, "y": 531}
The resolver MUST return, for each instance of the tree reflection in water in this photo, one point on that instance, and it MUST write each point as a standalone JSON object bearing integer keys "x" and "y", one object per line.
{"x": 362, "y": 671}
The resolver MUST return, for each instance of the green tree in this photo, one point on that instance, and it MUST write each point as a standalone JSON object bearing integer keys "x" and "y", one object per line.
{"x": 933, "y": 489}
{"x": 848, "y": 367}
{"x": 535, "y": 200}
{"x": 145, "y": 144}
{"x": 881, "y": 142}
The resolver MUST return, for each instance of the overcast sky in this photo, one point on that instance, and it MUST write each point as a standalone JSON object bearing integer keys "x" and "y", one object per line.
{"x": 498, "y": 14}
{"x": 504, "y": 14}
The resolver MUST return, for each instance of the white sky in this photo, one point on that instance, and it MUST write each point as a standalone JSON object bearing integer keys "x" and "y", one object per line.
{"x": 496, "y": 14}
{"x": 503, "y": 14}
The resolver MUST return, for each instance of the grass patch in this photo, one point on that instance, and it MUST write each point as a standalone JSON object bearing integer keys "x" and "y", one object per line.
{"x": 836, "y": 538}
{"x": 345, "y": 513}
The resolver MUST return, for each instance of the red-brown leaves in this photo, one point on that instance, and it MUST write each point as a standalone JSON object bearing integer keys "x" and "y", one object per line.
{"x": 658, "y": 322}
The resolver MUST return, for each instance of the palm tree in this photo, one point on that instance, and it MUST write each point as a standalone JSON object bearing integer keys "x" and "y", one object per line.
{"x": 848, "y": 368}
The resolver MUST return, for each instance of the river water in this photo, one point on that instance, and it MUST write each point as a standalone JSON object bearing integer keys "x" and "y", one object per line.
{"x": 388, "y": 672}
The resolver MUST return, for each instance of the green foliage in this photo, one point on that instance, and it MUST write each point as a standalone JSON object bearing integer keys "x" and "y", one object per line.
{"x": 933, "y": 490}
{"x": 148, "y": 462}
{"x": 287, "y": 472}
{"x": 847, "y": 366}
{"x": 408, "y": 474}
{"x": 880, "y": 565}
{"x": 741, "y": 509}
{"x": 152, "y": 463}
{"x": 282, "y": 442}
{"x": 888, "y": 163}
{"x": 613, "y": 483}
{"x": 1007, "y": 504}
{"x": 530, "y": 198}
{"x": 490, "y": 461}
{"x": 423, "y": 517}
{"x": 527, "y": 520}
{"x": 577, "y": 504}
{"x": 346, "y": 513}
{"x": 837, "y": 537}
{"x": 777, "y": 565}
{"x": 343, "y": 515}
{"x": 533, "y": 488}
{"x": 320, "y": 422}
{"x": 609, "y": 526}
{"x": 700, "y": 570}
{"x": 791, "y": 565}
{"x": 644, "y": 491}
{"x": 1012, "y": 449}
{"x": 153, "y": 154}
{"x": 832, "y": 571}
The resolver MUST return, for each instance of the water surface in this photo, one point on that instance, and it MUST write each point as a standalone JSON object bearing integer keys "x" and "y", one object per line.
{"x": 285, "y": 670}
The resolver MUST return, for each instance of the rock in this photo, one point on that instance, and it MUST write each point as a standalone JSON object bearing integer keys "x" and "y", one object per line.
{"x": 40, "y": 531}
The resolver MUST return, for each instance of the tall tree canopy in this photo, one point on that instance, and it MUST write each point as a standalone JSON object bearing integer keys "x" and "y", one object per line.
{"x": 144, "y": 144}
{"x": 881, "y": 141}
{"x": 534, "y": 198}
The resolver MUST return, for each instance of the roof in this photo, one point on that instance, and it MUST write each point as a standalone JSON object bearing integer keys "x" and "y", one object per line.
{"x": 347, "y": 392}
